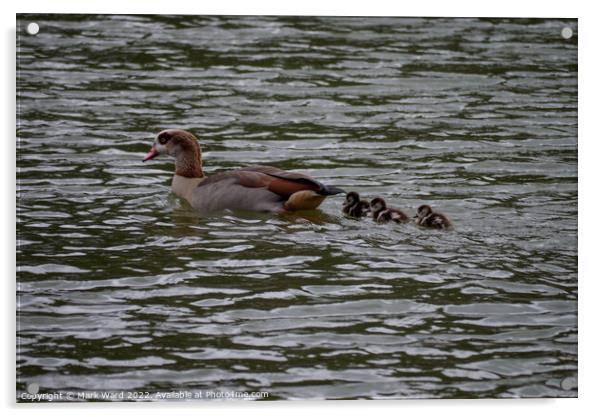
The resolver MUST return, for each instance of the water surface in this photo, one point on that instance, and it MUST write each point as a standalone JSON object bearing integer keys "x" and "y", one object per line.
{"x": 122, "y": 286}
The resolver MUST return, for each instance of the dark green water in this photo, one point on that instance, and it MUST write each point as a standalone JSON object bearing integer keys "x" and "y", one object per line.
{"x": 121, "y": 286}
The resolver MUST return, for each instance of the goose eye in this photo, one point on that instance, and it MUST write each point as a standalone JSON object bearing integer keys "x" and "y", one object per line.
{"x": 164, "y": 138}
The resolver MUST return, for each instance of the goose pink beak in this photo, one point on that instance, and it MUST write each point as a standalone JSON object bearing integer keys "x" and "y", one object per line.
{"x": 151, "y": 154}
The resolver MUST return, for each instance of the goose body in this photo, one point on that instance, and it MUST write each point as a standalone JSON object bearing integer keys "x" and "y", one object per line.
{"x": 256, "y": 188}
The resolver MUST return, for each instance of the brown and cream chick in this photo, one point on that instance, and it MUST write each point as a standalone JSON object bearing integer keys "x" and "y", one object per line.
{"x": 383, "y": 214}
{"x": 426, "y": 217}
{"x": 354, "y": 207}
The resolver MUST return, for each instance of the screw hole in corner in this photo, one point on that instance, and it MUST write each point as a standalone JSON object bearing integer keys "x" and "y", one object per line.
{"x": 567, "y": 32}
{"x": 33, "y": 28}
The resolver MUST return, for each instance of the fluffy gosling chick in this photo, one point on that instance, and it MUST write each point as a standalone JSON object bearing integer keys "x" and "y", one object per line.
{"x": 383, "y": 214}
{"x": 426, "y": 217}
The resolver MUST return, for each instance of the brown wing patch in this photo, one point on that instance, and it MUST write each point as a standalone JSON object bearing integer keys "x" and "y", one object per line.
{"x": 311, "y": 183}
{"x": 253, "y": 178}
{"x": 246, "y": 179}
{"x": 286, "y": 188}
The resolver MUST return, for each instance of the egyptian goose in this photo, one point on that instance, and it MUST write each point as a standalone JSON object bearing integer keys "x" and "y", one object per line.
{"x": 426, "y": 217}
{"x": 383, "y": 214}
{"x": 257, "y": 188}
{"x": 354, "y": 207}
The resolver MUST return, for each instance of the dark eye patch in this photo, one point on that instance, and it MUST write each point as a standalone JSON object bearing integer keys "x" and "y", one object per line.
{"x": 163, "y": 138}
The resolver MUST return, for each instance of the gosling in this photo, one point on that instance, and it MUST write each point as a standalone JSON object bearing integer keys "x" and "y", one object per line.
{"x": 426, "y": 217}
{"x": 383, "y": 214}
{"x": 354, "y": 207}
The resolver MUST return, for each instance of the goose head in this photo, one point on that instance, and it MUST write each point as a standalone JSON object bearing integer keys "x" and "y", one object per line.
{"x": 181, "y": 145}
{"x": 423, "y": 211}
{"x": 377, "y": 205}
{"x": 351, "y": 199}
{"x": 173, "y": 142}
